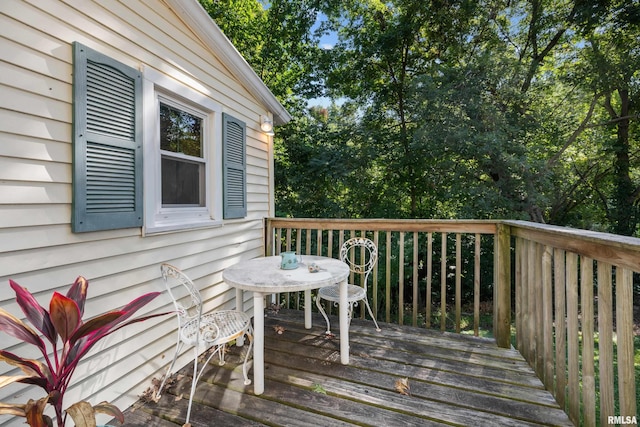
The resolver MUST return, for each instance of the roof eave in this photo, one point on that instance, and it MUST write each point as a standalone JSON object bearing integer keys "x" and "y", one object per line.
{"x": 194, "y": 15}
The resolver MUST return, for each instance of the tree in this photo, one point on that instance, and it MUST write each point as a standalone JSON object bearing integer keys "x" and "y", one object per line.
{"x": 600, "y": 68}
{"x": 275, "y": 39}
{"x": 612, "y": 61}
{"x": 467, "y": 106}
{"x": 452, "y": 108}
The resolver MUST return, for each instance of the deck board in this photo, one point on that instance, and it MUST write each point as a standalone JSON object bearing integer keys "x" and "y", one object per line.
{"x": 454, "y": 380}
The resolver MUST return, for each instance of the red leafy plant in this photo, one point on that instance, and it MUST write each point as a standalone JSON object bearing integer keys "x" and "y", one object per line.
{"x": 69, "y": 338}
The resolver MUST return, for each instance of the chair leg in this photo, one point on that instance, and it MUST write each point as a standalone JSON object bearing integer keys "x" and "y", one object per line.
{"x": 197, "y": 374}
{"x": 245, "y": 372}
{"x": 168, "y": 373}
{"x": 350, "y": 311}
{"x": 324, "y": 314}
{"x": 221, "y": 349}
{"x": 194, "y": 380}
{"x": 206, "y": 362}
{"x": 366, "y": 302}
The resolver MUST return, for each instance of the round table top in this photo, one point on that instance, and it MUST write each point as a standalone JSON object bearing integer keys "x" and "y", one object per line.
{"x": 265, "y": 275}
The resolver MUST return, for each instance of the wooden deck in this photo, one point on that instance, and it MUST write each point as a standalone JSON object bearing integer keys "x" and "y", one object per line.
{"x": 453, "y": 380}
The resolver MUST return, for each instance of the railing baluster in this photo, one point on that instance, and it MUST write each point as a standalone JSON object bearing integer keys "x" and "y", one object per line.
{"x": 624, "y": 333}
{"x": 547, "y": 316}
{"x": 376, "y": 240}
{"x": 278, "y": 241}
{"x": 560, "y": 280}
{"x": 476, "y": 285}
{"x": 572, "y": 337}
{"x": 502, "y": 285}
{"x": 288, "y": 240}
{"x": 401, "y": 279}
{"x": 330, "y": 243}
{"x": 443, "y": 283}
{"x": 387, "y": 290}
{"x": 520, "y": 290}
{"x": 458, "y": 301}
{"x": 414, "y": 302}
{"x": 530, "y": 311}
{"x": 429, "y": 277}
{"x": 605, "y": 332}
{"x": 586, "y": 315}
{"x": 319, "y": 242}
{"x": 363, "y": 233}
{"x": 539, "y": 362}
{"x": 352, "y": 234}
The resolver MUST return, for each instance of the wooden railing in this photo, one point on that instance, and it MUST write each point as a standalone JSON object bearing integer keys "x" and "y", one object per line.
{"x": 572, "y": 286}
{"x": 563, "y": 282}
{"x": 426, "y": 268}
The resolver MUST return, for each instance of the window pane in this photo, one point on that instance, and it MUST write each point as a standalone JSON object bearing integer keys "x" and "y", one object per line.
{"x": 180, "y": 132}
{"x": 182, "y": 182}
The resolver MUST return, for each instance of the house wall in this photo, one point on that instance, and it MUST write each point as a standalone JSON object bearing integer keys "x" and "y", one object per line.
{"x": 38, "y": 249}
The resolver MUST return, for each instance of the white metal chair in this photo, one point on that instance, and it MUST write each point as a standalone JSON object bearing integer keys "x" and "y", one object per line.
{"x": 202, "y": 331}
{"x": 361, "y": 255}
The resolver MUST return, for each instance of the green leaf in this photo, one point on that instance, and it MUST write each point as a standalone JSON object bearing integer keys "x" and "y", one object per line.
{"x": 317, "y": 388}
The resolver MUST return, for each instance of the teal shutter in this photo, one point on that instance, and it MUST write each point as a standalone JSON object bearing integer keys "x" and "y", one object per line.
{"x": 234, "y": 136}
{"x": 107, "y": 143}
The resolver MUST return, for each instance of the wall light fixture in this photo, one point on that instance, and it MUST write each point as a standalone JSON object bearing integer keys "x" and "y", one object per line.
{"x": 266, "y": 124}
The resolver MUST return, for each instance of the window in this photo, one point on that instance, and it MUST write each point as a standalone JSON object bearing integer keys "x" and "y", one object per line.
{"x": 183, "y": 152}
{"x": 194, "y": 166}
{"x": 183, "y": 166}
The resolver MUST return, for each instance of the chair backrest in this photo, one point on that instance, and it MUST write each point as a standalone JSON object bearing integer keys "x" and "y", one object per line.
{"x": 188, "y": 304}
{"x": 360, "y": 254}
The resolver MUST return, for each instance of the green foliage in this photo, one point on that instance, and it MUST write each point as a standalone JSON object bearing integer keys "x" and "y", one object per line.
{"x": 452, "y": 109}
{"x": 276, "y": 40}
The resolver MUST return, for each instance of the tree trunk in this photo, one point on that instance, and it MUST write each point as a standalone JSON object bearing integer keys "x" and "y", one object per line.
{"x": 625, "y": 211}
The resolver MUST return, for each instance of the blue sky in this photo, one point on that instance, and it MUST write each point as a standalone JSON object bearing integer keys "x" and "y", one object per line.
{"x": 327, "y": 41}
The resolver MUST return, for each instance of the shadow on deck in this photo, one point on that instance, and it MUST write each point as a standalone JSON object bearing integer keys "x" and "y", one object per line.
{"x": 453, "y": 380}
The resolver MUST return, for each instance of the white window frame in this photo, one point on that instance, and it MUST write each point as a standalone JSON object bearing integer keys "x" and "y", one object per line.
{"x": 159, "y": 87}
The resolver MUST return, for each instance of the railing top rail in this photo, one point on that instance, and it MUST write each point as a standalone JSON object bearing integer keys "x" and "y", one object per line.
{"x": 382, "y": 224}
{"x": 617, "y": 250}
{"x": 623, "y": 251}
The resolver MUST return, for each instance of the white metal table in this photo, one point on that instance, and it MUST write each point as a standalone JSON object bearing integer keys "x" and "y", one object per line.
{"x": 263, "y": 276}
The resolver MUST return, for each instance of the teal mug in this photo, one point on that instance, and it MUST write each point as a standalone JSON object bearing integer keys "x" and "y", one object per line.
{"x": 288, "y": 260}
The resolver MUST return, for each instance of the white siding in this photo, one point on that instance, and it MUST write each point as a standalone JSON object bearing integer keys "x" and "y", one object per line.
{"x": 37, "y": 248}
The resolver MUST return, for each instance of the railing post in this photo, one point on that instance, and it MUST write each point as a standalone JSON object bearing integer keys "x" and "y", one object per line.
{"x": 268, "y": 237}
{"x": 502, "y": 288}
